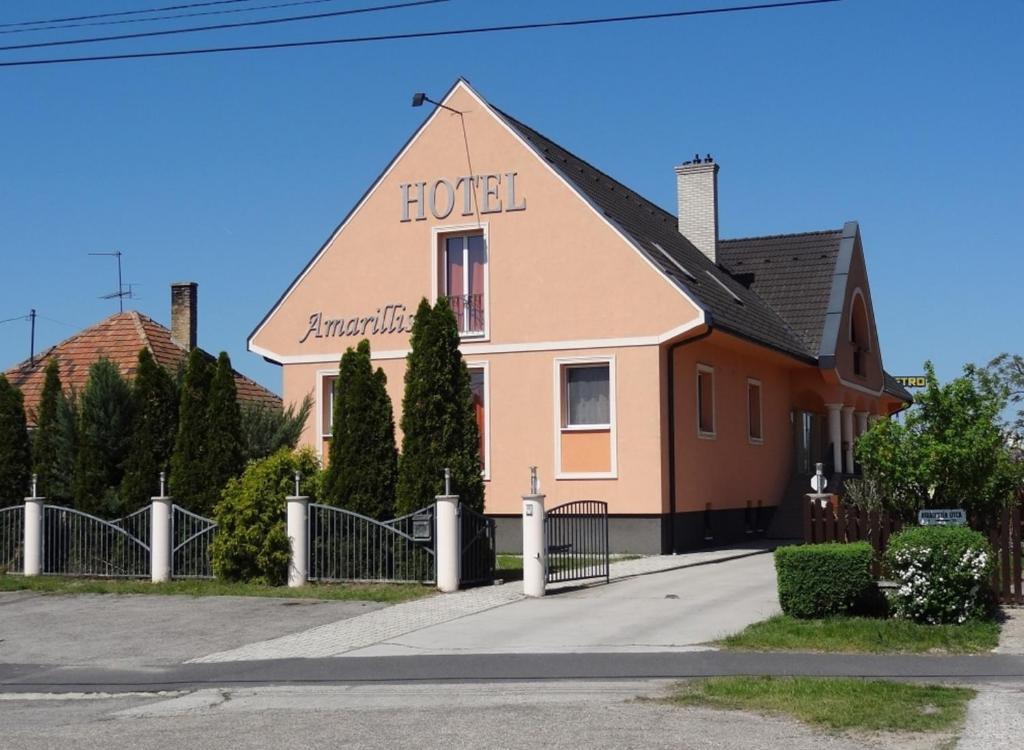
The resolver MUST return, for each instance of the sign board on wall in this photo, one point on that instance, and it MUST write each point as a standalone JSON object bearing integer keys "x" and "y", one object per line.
{"x": 942, "y": 517}
{"x": 911, "y": 381}
{"x": 498, "y": 194}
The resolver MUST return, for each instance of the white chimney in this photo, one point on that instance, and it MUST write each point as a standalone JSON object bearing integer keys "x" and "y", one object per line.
{"x": 697, "y": 190}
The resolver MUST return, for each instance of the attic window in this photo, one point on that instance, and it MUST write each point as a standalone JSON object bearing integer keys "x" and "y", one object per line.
{"x": 674, "y": 262}
{"x": 721, "y": 283}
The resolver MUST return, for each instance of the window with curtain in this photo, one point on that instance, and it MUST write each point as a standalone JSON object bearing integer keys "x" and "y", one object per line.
{"x": 477, "y": 386}
{"x": 587, "y": 396}
{"x": 706, "y": 401}
{"x": 464, "y": 264}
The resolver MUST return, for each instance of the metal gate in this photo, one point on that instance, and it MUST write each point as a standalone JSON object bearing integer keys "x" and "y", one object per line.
{"x": 479, "y": 552}
{"x": 347, "y": 546}
{"x": 191, "y": 536}
{"x": 79, "y": 544}
{"x": 12, "y": 539}
{"x": 576, "y": 537}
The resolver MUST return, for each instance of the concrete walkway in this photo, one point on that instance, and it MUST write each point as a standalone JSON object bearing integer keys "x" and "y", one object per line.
{"x": 995, "y": 719}
{"x": 682, "y": 605}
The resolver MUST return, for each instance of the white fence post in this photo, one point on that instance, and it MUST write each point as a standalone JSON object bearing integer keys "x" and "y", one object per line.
{"x": 448, "y": 547}
{"x": 33, "y": 557}
{"x": 160, "y": 536}
{"x": 298, "y": 537}
{"x": 535, "y": 557}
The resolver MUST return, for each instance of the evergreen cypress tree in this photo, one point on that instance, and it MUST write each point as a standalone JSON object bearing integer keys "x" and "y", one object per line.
{"x": 45, "y": 446}
{"x": 62, "y": 481}
{"x": 438, "y": 422}
{"x": 223, "y": 456}
{"x": 189, "y": 485}
{"x": 15, "y": 456}
{"x": 104, "y": 436}
{"x": 362, "y": 468}
{"x": 156, "y": 426}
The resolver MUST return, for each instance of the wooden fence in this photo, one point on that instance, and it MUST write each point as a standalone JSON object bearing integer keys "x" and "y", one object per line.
{"x": 836, "y": 522}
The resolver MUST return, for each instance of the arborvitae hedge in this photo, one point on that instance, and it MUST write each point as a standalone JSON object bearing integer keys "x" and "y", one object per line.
{"x": 362, "y": 469}
{"x": 15, "y": 457}
{"x": 189, "y": 484}
{"x": 156, "y": 425}
{"x": 46, "y": 444}
{"x": 104, "y": 436}
{"x": 223, "y": 457}
{"x": 438, "y": 421}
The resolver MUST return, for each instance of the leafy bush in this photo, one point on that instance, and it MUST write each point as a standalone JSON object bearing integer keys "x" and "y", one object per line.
{"x": 942, "y": 572}
{"x": 822, "y": 580}
{"x": 252, "y": 542}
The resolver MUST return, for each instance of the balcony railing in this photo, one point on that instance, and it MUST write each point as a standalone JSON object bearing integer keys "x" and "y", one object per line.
{"x": 469, "y": 312}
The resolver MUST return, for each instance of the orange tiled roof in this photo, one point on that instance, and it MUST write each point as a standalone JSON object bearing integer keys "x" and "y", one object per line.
{"x": 119, "y": 338}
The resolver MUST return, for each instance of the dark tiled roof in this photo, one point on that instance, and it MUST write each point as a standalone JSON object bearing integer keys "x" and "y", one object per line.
{"x": 792, "y": 273}
{"x": 732, "y": 306}
{"x": 894, "y": 388}
{"x": 119, "y": 338}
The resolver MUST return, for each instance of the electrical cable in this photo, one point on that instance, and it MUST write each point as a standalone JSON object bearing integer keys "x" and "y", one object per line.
{"x": 125, "y": 13}
{"x": 413, "y": 35}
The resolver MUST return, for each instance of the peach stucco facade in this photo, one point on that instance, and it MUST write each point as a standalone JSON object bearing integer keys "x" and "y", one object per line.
{"x": 561, "y": 288}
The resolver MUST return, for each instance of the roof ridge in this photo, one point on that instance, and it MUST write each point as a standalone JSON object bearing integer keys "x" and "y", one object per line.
{"x": 141, "y": 329}
{"x": 785, "y": 234}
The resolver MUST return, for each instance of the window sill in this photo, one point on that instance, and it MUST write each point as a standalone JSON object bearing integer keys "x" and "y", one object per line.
{"x": 707, "y": 435}
{"x": 587, "y": 428}
{"x": 755, "y": 441}
{"x": 586, "y": 475}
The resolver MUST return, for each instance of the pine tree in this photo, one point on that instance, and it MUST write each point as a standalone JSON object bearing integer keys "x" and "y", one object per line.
{"x": 104, "y": 436}
{"x": 15, "y": 456}
{"x": 154, "y": 432}
{"x": 45, "y": 446}
{"x": 62, "y": 489}
{"x": 362, "y": 468}
{"x": 223, "y": 456}
{"x": 189, "y": 484}
{"x": 438, "y": 421}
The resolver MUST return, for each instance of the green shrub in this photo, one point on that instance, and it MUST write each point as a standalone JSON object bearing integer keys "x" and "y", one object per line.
{"x": 252, "y": 542}
{"x": 821, "y": 580}
{"x": 943, "y": 574}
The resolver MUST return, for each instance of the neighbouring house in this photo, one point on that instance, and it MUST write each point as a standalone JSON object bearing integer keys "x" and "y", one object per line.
{"x": 119, "y": 338}
{"x": 628, "y": 352}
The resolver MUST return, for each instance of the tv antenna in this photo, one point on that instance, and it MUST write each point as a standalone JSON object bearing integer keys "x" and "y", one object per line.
{"x": 122, "y": 292}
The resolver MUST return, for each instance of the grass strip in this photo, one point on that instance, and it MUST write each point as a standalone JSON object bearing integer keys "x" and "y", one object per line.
{"x": 864, "y": 635}
{"x": 368, "y": 592}
{"x": 835, "y": 703}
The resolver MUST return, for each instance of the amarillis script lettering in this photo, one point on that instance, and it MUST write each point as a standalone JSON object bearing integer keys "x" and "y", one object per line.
{"x": 388, "y": 319}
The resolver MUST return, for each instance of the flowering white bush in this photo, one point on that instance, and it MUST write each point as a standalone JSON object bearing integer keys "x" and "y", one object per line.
{"x": 942, "y": 574}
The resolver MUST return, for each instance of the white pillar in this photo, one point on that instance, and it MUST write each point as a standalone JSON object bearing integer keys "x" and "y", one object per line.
{"x": 535, "y": 557}
{"x": 862, "y": 422}
{"x": 33, "y": 556}
{"x": 448, "y": 557}
{"x": 298, "y": 533}
{"x": 160, "y": 539}
{"x": 848, "y": 437}
{"x": 835, "y": 436}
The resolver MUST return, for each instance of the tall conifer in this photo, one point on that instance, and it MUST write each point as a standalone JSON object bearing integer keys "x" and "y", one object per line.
{"x": 15, "y": 456}
{"x": 223, "y": 456}
{"x": 438, "y": 421}
{"x": 362, "y": 468}
{"x": 189, "y": 484}
{"x": 104, "y": 436}
{"x": 154, "y": 432}
{"x": 46, "y": 445}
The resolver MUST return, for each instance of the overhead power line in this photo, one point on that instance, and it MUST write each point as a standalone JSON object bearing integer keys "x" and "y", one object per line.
{"x": 176, "y": 16}
{"x": 224, "y": 26}
{"x": 126, "y": 12}
{"x": 416, "y": 35}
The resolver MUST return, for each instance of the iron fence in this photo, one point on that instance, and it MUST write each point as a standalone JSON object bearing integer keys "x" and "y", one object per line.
{"x": 79, "y": 544}
{"x": 12, "y": 539}
{"x": 191, "y": 539}
{"x": 479, "y": 551}
{"x": 347, "y": 546}
{"x": 576, "y": 536}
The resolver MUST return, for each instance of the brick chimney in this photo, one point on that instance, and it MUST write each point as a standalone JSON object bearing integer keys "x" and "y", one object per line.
{"x": 184, "y": 296}
{"x": 697, "y": 191}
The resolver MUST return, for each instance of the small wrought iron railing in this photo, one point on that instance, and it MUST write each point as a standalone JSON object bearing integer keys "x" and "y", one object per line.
{"x": 348, "y": 546}
{"x": 79, "y": 544}
{"x": 576, "y": 535}
{"x": 479, "y": 551}
{"x": 12, "y": 539}
{"x": 469, "y": 312}
{"x": 191, "y": 539}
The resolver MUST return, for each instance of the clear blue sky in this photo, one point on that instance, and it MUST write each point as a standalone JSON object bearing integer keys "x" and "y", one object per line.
{"x": 230, "y": 170}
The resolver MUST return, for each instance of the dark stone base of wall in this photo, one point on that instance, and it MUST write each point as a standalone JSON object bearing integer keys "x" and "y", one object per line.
{"x": 653, "y": 534}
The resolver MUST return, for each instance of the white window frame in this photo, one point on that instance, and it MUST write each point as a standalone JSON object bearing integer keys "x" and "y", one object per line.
{"x": 760, "y": 411}
{"x": 708, "y": 370}
{"x": 486, "y": 367}
{"x": 560, "y": 364}
{"x": 318, "y": 387}
{"x": 439, "y": 233}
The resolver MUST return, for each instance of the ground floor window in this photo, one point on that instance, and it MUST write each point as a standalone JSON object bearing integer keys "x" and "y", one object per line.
{"x": 327, "y": 383}
{"x": 585, "y": 418}
{"x": 478, "y": 386}
{"x": 755, "y": 427}
{"x": 705, "y": 401}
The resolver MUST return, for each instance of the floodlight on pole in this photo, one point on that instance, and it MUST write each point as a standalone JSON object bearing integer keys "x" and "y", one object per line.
{"x": 419, "y": 97}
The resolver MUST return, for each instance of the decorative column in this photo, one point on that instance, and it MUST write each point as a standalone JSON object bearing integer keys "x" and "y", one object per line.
{"x": 535, "y": 565}
{"x": 160, "y": 535}
{"x": 298, "y": 533}
{"x": 862, "y": 422}
{"x": 835, "y": 436}
{"x": 447, "y": 552}
{"x": 848, "y": 437}
{"x": 33, "y": 554}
